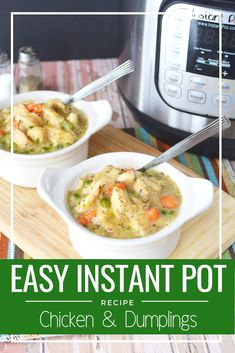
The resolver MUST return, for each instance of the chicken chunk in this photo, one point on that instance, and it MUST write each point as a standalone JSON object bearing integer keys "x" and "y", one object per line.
{"x": 73, "y": 118}
{"x": 127, "y": 177}
{"x": 104, "y": 221}
{"x": 146, "y": 188}
{"x": 103, "y": 179}
{"x": 57, "y": 105}
{"x": 139, "y": 223}
{"x": 60, "y": 136}
{"x": 37, "y": 134}
{"x": 25, "y": 118}
{"x": 121, "y": 204}
{"x": 142, "y": 188}
{"x": 21, "y": 140}
{"x": 54, "y": 111}
{"x": 123, "y": 207}
{"x": 52, "y": 116}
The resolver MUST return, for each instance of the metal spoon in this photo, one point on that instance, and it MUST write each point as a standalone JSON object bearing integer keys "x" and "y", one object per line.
{"x": 122, "y": 70}
{"x": 189, "y": 142}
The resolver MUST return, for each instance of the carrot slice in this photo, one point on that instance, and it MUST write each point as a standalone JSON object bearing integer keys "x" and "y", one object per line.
{"x": 38, "y": 109}
{"x": 35, "y": 108}
{"x": 16, "y": 124}
{"x": 120, "y": 186}
{"x": 83, "y": 220}
{"x": 2, "y": 133}
{"x": 30, "y": 107}
{"x": 109, "y": 191}
{"x": 152, "y": 214}
{"x": 169, "y": 201}
{"x": 87, "y": 217}
{"x": 90, "y": 214}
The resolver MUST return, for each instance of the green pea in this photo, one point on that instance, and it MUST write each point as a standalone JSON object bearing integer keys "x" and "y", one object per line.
{"x": 87, "y": 183}
{"x": 46, "y": 149}
{"x": 75, "y": 195}
{"x": 167, "y": 213}
{"x": 15, "y": 147}
{"x": 104, "y": 202}
{"x": 3, "y": 122}
{"x": 74, "y": 198}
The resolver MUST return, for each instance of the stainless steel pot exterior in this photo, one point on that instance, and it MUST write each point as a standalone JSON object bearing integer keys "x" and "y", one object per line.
{"x": 139, "y": 44}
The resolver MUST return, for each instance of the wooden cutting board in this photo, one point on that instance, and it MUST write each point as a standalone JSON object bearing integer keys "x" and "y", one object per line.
{"x": 41, "y": 233}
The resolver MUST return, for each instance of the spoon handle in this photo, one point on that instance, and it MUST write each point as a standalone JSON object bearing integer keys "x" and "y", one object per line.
{"x": 189, "y": 142}
{"x": 122, "y": 70}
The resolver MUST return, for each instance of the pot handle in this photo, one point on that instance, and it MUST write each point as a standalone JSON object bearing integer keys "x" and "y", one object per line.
{"x": 203, "y": 196}
{"x": 103, "y": 114}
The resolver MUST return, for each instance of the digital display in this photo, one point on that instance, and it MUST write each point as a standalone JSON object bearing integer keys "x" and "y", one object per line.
{"x": 203, "y": 50}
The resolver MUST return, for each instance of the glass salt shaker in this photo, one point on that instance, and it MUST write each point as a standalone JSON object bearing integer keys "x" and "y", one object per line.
{"x": 30, "y": 70}
{"x": 5, "y": 76}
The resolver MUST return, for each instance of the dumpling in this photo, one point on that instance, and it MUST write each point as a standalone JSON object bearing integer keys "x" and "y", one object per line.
{"x": 25, "y": 118}
{"x": 21, "y": 140}
{"x": 60, "y": 136}
{"x": 102, "y": 180}
{"x": 53, "y": 117}
{"x": 37, "y": 134}
{"x": 128, "y": 177}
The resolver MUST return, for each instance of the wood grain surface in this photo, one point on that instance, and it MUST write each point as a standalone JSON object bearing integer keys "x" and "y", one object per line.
{"x": 40, "y": 232}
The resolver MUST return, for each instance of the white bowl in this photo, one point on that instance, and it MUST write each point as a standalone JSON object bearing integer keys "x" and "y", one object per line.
{"x": 24, "y": 169}
{"x": 53, "y": 186}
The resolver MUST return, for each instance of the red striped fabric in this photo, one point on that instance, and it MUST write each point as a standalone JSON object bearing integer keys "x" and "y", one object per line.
{"x": 3, "y": 246}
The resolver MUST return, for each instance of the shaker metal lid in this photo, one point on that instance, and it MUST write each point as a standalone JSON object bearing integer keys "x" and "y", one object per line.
{"x": 3, "y": 56}
{"x": 28, "y": 54}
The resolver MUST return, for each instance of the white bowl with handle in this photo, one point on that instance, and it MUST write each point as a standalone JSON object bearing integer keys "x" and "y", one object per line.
{"x": 24, "y": 169}
{"x": 53, "y": 186}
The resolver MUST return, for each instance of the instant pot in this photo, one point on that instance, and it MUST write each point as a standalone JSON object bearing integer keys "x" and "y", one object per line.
{"x": 175, "y": 89}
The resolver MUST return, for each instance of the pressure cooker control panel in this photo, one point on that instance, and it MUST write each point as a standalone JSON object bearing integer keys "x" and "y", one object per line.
{"x": 190, "y": 60}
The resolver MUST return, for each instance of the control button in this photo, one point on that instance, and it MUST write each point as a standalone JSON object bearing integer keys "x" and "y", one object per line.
{"x": 177, "y": 19}
{"x": 213, "y": 63}
{"x": 225, "y": 73}
{"x": 174, "y": 77}
{"x": 179, "y": 13}
{"x": 225, "y": 86}
{"x": 176, "y": 29}
{"x": 196, "y": 96}
{"x": 175, "y": 51}
{"x": 173, "y": 90}
{"x": 198, "y": 82}
{"x": 226, "y": 100}
{"x": 173, "y": 64}
{"x": 176, "y": 47}
{"x": 177, "y": 34}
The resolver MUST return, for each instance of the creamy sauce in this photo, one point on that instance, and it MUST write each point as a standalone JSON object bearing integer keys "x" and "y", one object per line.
{"x": 122, "y": 203}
